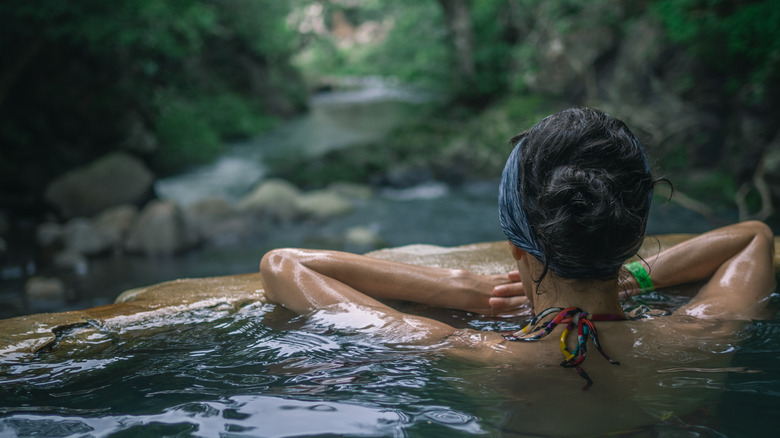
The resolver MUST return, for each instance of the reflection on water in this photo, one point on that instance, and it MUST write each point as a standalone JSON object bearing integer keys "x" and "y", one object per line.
{"x": 232, "y": 375}
{"x": 266, "y": 372}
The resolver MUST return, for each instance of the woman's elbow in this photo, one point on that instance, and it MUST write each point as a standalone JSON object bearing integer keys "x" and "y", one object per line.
{"x": 762, "y": 233}
{"x": 273, "y": 266}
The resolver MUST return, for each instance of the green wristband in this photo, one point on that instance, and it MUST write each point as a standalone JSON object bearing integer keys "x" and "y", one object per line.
{"x": 637, "y": 269}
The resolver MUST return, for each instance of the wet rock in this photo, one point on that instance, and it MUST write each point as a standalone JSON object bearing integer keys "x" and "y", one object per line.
{"x": 71, "y": 260}
{"x": 44, "y": 289}
{"x": 322, "y": 204}
{"x": 115, "y": 179}
{"x": 274, "y": 197}
{"x": 217, "y": 222}
{"x": 363, "y": 238}
{"x": 115, "y": 223}
{"x": 81, "y": 235}
{"x": 161, "y": 230}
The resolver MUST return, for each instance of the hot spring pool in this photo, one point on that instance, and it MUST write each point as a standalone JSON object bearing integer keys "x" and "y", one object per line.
{"x": 263, "y": 371}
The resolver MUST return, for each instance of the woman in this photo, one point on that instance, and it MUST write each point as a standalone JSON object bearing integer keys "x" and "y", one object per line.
{"x": 574, "y": 200}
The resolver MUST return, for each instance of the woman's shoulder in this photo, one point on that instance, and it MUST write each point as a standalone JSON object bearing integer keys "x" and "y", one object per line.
{"x": 653, "y": 334}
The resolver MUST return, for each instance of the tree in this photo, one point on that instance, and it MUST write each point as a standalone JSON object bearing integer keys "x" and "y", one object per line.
{"x": 457, "y": 14}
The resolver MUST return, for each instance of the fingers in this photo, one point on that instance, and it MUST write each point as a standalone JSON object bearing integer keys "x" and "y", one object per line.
{"x": 505, "y": 304}
{"x": 509, "y": 290}
{"x": 514, "y": 276}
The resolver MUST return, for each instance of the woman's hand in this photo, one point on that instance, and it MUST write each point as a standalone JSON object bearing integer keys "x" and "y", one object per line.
{"x": 509, "y": 297}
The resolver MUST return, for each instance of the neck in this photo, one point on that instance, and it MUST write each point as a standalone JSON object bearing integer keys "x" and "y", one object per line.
{"x": 592, "y": 296}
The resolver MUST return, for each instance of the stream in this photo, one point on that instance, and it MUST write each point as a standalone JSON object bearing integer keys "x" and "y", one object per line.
{"x": 430, "y": 213}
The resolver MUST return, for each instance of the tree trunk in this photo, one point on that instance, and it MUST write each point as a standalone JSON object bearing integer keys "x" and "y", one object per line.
{"x": 457, "y": 13}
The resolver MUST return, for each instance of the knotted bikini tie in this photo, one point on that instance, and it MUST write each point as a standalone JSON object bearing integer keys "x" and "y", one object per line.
{"x": 572, "y": 316}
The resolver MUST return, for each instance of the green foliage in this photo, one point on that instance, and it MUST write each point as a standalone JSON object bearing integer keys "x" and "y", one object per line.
{"x": 413, "y": 49}
{"x": 260, "y": 24}
{"x": 492, "y": 46}
{"x": 186, "y": 138}
{"x": 741, "y": 40}
{"x": 77, "y": 75}
{"x": 231, "y": 116}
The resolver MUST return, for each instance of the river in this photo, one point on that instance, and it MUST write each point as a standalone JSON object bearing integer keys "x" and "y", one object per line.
{"x": 430, "y": 213}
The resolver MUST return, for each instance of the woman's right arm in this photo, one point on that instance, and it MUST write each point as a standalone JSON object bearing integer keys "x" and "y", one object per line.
{"x": 305, "y": 280}
{"x": 737, "y": 263}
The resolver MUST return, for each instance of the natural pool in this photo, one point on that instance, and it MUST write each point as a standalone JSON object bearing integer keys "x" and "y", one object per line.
{"x": 259, "y": 370}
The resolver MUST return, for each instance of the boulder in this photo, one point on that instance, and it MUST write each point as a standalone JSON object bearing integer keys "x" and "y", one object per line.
{"x": 39, "y": 289}
{"x": 81, "y": 235}
{"x": 274, "y": 197}
{"x": 363, "y": 239}
{"x": 115, "y": 223}
{"x": 71, "y": 260}
{"x": 115, "y": 179}
{"x": 217, "y": 222}
{"x": 161, "y": 230}
{"x": 322, "y": 204}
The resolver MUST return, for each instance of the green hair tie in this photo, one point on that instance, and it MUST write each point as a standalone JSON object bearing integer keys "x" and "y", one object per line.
{"x": 637, "y": 269}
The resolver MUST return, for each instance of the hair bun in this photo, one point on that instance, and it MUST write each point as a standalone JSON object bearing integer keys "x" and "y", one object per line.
{"x": 580, "y": 213}
{"x": 586, "y": 194}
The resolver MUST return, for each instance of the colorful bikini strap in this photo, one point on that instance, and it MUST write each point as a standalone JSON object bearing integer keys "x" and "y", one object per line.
{"x": 573, "y": 317}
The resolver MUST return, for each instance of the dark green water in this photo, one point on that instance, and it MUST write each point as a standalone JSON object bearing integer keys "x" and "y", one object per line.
{"x": 265, "y": 372}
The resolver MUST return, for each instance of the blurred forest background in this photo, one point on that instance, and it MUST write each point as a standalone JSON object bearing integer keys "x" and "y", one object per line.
{"x": 170, "y": 84}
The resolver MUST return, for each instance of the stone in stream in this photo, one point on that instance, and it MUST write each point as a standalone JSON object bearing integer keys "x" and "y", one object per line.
{"x": 275, "y": 198}
{"x": 320, "y": 205}
{"x": 161, "y": 230}
{"x": 44, "y": 293}
{"x": 115, "y": 224}
{"x": 81, "y": 236}
{"x": 115, "y": 179}
{"x": 217, "y": 222}
{"x": 281, "y": 201}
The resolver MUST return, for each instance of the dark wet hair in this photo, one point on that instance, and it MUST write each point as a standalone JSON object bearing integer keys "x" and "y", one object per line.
{"x": 575, "y": 193}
